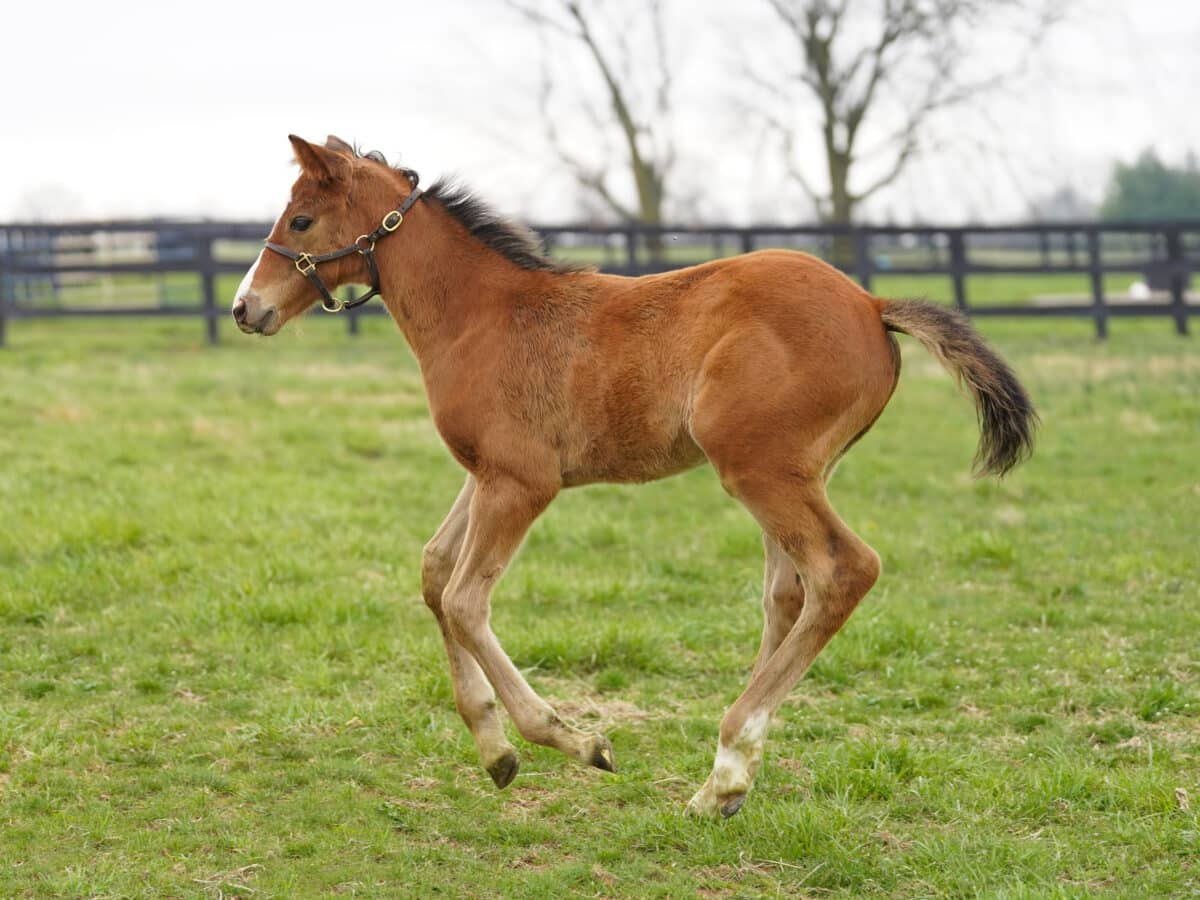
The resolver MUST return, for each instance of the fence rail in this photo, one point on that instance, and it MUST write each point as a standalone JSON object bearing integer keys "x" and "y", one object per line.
{"x": 93, "y": 268}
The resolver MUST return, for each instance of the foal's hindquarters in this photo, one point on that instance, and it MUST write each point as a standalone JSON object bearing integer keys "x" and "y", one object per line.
{"x": 779, "y": 399}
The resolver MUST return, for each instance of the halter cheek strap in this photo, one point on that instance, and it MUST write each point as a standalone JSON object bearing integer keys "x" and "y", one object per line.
{"x": 364, "y": 245}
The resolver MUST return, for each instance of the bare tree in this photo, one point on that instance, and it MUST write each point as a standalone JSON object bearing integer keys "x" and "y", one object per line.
{"x": 628, "y": 111}
{"x": 889, "y": 64}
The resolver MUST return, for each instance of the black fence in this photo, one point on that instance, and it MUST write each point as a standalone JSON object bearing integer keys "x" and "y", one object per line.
{"x": 171, "y": 268}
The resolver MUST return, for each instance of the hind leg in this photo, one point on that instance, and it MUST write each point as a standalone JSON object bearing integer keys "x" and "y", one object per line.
{"x": 836, "y": 569}
{"x": 778, "y": 400}
{"x": 783, "y": 598}
{"x": 783, "y": 592}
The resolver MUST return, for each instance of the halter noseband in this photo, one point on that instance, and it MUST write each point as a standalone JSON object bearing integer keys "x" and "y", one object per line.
{"x": 364, "y": 244}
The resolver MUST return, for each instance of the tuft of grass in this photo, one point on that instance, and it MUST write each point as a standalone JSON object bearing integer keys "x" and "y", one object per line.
{"x": 217, "y": 676}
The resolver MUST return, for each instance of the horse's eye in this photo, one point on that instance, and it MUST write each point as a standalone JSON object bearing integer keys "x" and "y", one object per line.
{"x": 300, "y": 223}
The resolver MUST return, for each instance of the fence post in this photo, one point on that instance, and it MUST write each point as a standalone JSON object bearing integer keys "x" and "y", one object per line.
{"x": 862, "y": 257}
{"x": 208, "y": 284}
{"x": 1178, "y": 270}
{"x": 5, "y": 247}
{"x": 1096, "y": 274}
{"x": 958, "y": 268}
{"x": 747, "y": 242}
{"x": 631, "y": 249}
{"x": 352, "y": 314}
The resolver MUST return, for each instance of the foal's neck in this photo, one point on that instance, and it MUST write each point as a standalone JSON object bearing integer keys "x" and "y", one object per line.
{"x": 439, "y": 281}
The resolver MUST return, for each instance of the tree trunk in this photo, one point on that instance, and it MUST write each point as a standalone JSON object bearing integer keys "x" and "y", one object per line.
{"x": 650, "y": 204}
{"x": 841, "y": 210}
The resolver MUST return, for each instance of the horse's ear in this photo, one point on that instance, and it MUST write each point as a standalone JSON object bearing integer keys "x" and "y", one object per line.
{"x": 319, "y": 162}
{"x": 333, "y": 142}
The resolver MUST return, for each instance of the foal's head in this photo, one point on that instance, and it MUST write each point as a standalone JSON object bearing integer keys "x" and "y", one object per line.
{"x": 338, "y": 197}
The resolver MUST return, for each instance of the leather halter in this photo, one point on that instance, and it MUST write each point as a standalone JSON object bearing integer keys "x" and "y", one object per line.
{"x": 364, "y": 244}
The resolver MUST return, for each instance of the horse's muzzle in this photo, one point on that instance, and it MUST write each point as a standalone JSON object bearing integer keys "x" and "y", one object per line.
{"x": 263, "y": 323}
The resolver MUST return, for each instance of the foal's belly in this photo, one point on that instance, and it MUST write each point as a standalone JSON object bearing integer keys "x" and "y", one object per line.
{"x": 616, "y": 458}
{"x": 629, "y": 401}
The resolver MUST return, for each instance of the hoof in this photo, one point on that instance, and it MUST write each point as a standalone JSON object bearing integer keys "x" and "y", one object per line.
{"x": 732, "y": 805}
{"x": 701, "y": 807}
{"x": 504, "y": 770}
{"x": 602, "y": 755}
{"x": 707, "y": 805}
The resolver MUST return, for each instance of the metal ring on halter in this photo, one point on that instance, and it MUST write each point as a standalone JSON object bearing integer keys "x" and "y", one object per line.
{"x": 340, "y": 305}
{"x": 305, "y": 265}
{"x": 364, "y": 243}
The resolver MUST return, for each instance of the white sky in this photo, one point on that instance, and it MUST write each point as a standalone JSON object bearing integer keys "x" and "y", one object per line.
{"x": 135, "y": 109}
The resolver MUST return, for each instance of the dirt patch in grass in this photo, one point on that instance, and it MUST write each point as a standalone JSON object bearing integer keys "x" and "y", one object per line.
{"x": 186, "y": 696}
{"x": 70, "y": 415}
{"x": 575, "y": 700}
{"x": 203, "y": 427}
{"x": 526, "y": 797}
{"x": 603, "y": 711}
{"x": 891, "y": 842}
{"x": 237, "y": 880}
{"x": 532, "y": 861}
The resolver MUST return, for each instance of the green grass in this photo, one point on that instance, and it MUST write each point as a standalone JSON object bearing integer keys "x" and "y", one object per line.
{"x": 217, "y": 677}
{"x": 1006, "y": 290}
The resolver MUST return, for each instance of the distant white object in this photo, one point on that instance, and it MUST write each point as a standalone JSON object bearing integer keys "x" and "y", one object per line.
{"x": 1139, "y": 292}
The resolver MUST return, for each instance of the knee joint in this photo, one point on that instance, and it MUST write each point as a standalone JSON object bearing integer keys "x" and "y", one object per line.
{"x": 785, "y": 596}
{"x": 436, "y": 565}
{"x": 464, "y": 615}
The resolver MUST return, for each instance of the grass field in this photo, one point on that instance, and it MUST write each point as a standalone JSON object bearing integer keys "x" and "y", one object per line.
{"x": 217, "y": 677}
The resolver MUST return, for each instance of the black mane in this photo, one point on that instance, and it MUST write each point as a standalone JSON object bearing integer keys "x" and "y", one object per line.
{"x": 512, "y": 240}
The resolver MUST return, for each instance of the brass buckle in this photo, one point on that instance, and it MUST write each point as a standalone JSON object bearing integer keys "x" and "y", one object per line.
{"x": 364, "y": 244}
{"x": 340, "y": 304}
{"x": 304, "y": 264}
{"x": 388, "y": 224}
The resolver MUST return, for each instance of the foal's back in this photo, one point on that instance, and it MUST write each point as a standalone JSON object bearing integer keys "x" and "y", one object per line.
{"x": 770, "y": 325}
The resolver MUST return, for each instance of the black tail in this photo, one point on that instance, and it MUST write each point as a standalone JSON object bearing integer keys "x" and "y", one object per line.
{"x": 1007, "y": 419}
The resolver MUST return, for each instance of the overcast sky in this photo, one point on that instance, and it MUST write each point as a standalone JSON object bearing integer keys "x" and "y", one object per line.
{"x": 132, "y": 109}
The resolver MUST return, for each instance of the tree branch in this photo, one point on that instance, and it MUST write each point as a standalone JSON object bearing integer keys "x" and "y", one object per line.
{"x": 916, "y": 56}
{"x": 650, "y": 155}
{"x": 587, "y": 177}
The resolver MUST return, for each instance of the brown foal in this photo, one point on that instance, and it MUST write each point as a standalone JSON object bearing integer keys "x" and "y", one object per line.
{"x": 540, "y": 376}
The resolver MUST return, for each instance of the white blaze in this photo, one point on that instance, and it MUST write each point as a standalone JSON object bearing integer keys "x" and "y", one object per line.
{"x": 244, "y": 287}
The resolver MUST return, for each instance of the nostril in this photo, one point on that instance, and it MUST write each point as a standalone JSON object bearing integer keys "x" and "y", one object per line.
{"x": 239, "y": 310}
